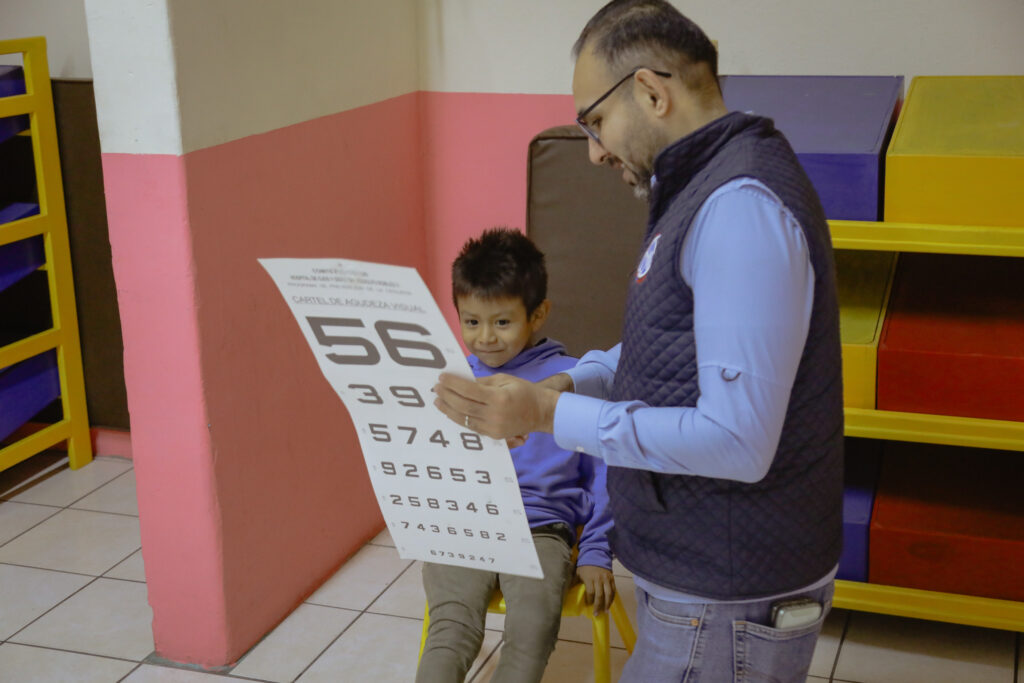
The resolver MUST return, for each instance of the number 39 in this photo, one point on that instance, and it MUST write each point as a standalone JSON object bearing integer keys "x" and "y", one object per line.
{"x": 370, "y": 355}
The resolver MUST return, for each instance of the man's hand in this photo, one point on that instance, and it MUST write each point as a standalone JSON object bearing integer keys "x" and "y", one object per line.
{"x": 499, "y": 406}
{"x": 600, "y": 586}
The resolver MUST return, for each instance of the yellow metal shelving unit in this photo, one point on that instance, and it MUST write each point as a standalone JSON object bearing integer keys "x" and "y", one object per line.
{"x": 51, "y": 224}
{"x": 979, "y": 240}
{"x": 934, "y": 239}
{"x": 936, "y": 429}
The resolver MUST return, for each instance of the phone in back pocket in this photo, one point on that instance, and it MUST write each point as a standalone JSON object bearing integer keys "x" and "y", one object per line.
{"x": 794, "y": 613}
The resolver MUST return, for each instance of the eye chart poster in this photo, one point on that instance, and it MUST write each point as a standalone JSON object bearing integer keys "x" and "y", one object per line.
{"x": 448, "y": 494}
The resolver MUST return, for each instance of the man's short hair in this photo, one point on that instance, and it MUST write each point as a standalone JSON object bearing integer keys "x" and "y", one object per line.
{"x": 626, "y": 33}
{"x": 501, "y": 263}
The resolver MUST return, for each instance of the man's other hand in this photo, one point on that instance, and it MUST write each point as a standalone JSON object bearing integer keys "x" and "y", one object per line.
{"x": 499, "y": 406}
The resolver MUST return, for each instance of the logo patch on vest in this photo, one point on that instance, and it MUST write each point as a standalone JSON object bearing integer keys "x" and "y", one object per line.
{"x": 648, "y": 259}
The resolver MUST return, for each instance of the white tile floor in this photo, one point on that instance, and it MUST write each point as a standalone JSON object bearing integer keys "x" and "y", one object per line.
{"x": 73, "y": 608}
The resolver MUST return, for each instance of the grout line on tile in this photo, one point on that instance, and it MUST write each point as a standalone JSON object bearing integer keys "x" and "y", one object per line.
{"x": 379, "y": 545}
{"x": 120, "y": 578}
{"x": 101, "y": 512}
{"x": 56, "y": 511}
{"x": 385, "y": 590}
{"x": 13, "y": 635}
{"x": 125, "y": 473}
{"x": 139, "y": 666}
{"x": 73, "y": 652}
{"x": 361, "y": 613}
{"x": 42, "y": 476}
{"x": 839, "y": 647}
{"x": 226, "y": 673}
{"x": 327, "y": 647}
{"x": 25, "y": 502}
{"x": 584, "y": 642}
{"x": 111, "y": 567}
{"x": 49, "y": 569}
{"x": 239, "y": 677}
{"x": 86, "y": 495}
{"x": 480, "y": 668}
{"x": 115, "y": 578}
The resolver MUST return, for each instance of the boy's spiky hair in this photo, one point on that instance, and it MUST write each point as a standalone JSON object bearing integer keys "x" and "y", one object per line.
{"x": 502, "y": 262}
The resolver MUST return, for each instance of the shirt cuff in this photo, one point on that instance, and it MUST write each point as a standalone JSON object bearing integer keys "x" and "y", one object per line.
{"x": 595, "y": 557}
{"x": 586, "y": 379}
{"x": 576, "y": 421}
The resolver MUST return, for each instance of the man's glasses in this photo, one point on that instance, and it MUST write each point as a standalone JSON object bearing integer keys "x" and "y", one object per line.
{"x": 581, "y": 119}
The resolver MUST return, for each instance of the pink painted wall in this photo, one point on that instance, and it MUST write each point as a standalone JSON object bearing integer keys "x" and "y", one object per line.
{"x": 474, "y": 170}
{"x": 287, "y": 456}
{"x": 251, "y": 485}
{"x": 151, "y": 244}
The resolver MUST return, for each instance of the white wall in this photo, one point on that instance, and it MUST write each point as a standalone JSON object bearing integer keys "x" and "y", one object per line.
{"x": 232, "y": 68}
{"x": 136, "y": 89}
{"x": 253, "y": 66}
{"x": 498, "y": 46}
{"x": 61, "y": 22}
{"x": 248, "y": 67}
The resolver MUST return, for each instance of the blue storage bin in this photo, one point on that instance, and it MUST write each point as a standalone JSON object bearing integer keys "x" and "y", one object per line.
{"x": 839, "y": 127}
{"x": 12, "y": 82}
{"x": 25, "y": 389}
{"x": 20, "y": 258}
{"x": 862, "y": 465}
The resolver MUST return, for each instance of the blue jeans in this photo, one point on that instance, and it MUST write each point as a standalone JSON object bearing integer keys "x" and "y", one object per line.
{"x": 720, "y": 642}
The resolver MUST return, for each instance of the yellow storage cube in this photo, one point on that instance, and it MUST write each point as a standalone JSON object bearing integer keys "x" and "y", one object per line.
{"x": 864, "y": 279}
{"x": 957, "y": 154}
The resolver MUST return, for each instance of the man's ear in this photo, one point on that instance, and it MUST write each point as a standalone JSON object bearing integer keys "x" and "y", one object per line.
{"x": 540, "y": 315}
{"x": 652, "y": 92}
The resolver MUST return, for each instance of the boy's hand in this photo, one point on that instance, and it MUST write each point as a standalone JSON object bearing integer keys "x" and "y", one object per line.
{"x": 516, "y": 441}
{"x": 600, "y": 586}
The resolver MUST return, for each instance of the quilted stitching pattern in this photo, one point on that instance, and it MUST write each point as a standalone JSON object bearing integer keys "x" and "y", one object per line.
{"x": 713, "y": 537}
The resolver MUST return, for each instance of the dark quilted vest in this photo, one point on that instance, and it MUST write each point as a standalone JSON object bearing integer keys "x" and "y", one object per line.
{"x": 713, "y": 537}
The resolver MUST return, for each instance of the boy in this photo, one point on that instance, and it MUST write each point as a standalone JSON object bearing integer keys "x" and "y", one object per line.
{"x": 499, "y": 284}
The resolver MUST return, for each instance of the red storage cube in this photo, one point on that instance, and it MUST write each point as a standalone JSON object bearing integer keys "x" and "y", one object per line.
{"x": 953, "y": 338}
{"x": 949, "y": 519}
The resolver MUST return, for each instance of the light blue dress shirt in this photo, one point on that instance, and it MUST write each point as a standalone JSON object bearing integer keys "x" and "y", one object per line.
{"x": 747, "y": 262}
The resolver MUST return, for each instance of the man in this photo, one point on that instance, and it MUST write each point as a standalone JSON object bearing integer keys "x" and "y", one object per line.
{"x": 720, "y": 413}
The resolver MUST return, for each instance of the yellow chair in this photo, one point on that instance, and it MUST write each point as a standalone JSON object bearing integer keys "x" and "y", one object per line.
{"x": 575, "y": 605}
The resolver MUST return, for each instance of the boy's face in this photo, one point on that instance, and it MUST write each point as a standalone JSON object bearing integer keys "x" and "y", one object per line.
{"x": 497, "y": 330}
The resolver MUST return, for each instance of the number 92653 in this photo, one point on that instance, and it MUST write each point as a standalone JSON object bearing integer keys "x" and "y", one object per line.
{"x": 456, "y": 474}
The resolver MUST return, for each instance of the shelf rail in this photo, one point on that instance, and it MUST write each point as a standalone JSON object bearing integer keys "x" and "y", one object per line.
{"x": 978, "y": 240}
{"x": 51, "y": 223}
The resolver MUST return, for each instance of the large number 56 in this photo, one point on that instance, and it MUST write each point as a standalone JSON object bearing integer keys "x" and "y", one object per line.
{"x": 370, "y": 355}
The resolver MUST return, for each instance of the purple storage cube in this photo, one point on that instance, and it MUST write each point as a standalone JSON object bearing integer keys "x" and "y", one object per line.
{"x": 25, "y": 389}
{"x": 18, "y": 259}
{"x": 839, "y": 127}
{"x": 12, "y": 82}
{"x": 861, "y": 467}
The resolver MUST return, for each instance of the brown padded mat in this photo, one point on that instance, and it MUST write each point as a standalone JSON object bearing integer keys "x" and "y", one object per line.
{"x": 590, "y": 227}
{"x": 99, "y": 321}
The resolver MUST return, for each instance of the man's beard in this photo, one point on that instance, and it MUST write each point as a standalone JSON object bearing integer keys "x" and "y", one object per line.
{"x": 645, "y": 146}
{"x": 642, "y": 189}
